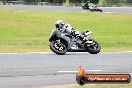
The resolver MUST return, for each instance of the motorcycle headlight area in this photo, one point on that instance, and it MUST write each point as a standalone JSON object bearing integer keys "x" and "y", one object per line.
{"x": 76, "y": 32}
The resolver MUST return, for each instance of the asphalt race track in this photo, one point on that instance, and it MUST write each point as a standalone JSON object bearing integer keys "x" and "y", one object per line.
{"x": 40, "y": 69}
{"x": 63, "y": 8}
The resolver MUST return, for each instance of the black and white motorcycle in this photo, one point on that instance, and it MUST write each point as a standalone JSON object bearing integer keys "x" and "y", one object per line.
{"x": 62, "y": 42}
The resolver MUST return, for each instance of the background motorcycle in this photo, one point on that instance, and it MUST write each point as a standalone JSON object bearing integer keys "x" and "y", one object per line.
{"x": 60, "y": 43}
{"x": 92, "y": 9}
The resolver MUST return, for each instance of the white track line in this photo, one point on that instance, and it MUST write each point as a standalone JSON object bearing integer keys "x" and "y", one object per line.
{"x": 67, "y": 71}
{"x": 67, "y": 52}
{"x": 77, "y": 71}
{"x": 117, "y": 12}
{"x": 30, "y": 53}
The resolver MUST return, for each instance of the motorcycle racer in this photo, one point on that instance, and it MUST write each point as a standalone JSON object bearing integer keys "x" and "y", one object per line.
{"x": 68, "y": 29}
{"x": 91, "y": 6}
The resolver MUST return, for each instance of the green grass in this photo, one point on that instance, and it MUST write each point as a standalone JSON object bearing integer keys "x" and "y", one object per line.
{"x": 28, "y": 30}
{"x": 105, "y": 86}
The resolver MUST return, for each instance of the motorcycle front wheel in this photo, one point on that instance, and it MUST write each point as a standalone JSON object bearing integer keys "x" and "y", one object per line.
{"x": 94, "y": 48}
{"x": 58, "y": 48}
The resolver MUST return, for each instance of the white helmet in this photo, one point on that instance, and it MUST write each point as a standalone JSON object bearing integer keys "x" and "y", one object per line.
{"x": 59, "y": 24}
{"x": 68, "y": 27}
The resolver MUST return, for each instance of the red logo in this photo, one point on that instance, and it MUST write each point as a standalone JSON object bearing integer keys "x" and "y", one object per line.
{"x": 82, "y": 77}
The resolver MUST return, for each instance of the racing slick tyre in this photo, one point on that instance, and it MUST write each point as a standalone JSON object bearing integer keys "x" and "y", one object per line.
{"x": 92, "y": 10}
{"x": 100, "y": 10}
{"x": 94, "y": 48}
{"x": 81, "y": 80}
{"x": 84, "y": 7}
{"x": 58, "y": 48}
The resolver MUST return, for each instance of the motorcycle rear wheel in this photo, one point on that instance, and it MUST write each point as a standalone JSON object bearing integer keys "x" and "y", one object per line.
{"x": 94, "y": 48}
{"x": 100, "y": 10}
